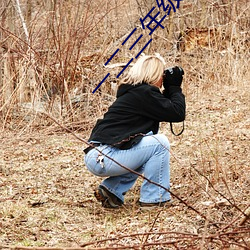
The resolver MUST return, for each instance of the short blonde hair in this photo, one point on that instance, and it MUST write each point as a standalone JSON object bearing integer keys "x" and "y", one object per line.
{"x": 148, "y": 69}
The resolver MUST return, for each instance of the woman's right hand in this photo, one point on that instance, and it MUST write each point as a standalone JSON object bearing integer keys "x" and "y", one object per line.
{"x": 173, "y": 77}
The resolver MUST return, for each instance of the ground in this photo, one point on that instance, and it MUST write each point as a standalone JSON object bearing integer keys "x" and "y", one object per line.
{"x": 46, "y": 192}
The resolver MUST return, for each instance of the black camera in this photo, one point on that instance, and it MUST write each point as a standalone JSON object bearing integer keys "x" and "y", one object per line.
{"x": 173, "y": 76}
{"x": 171, "y": 70}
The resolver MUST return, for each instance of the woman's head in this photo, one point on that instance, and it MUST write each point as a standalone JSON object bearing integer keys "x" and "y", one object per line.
{"x": 147, "y": 69}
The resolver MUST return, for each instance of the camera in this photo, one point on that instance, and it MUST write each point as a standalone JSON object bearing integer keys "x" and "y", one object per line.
{"x": 171, "y": 70}
{"x": 173, "y": 76}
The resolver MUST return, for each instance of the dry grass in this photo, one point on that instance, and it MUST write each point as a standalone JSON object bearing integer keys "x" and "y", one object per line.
{"x": 47, "y": 199}
{"x": 46, "y": 194}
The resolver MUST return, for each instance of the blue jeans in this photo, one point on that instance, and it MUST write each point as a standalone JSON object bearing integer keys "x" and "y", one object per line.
{"x": 148, "y": 157}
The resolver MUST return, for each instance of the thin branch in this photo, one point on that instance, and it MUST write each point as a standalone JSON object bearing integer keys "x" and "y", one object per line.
{"x": 153, "y": 224}
{"x": 175, "y": 237}
{"x": 19, "y": 11}
{"x": 216, "y": 190}
{"x": 183, "y": 235}
{"x": 246, "y": 217}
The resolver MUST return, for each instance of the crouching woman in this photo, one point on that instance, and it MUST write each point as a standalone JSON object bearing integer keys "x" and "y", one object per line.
{"x": 128, "y": 133}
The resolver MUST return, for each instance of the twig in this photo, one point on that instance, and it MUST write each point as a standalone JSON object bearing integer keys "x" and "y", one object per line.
{"x": 233, "y": 204}
{"x": 156, "y": 217}
{"x": 235, "y": 244}
{"x": 246, "y": 217}
{"x": 231, "y": 223}
{"x": 175, "y": 237}
{"x": 19, "y": 11}
{"x": 141, "y": 234}
{"x": 223, "y": 179}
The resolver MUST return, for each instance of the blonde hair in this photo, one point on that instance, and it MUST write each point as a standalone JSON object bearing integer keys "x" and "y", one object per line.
{"x": 147, "y": 69}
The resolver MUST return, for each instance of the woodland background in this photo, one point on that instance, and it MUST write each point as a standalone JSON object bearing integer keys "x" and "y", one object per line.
{"x": 52, "y": 56}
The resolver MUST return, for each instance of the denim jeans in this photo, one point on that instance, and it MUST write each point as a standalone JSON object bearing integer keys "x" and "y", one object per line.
{"x": 148, "y": 157}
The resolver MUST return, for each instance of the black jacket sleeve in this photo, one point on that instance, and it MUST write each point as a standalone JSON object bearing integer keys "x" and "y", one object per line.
{"x": 168, "y": 107}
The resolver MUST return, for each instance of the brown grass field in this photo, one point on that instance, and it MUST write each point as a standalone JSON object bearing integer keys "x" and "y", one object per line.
{"x": 52, "y": 56}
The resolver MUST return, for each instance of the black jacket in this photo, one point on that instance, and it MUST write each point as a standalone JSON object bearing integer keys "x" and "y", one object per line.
{"x": 136, "y": 111}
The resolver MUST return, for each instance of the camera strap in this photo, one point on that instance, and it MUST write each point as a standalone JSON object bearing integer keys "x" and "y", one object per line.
{"x": 172, "y": 130}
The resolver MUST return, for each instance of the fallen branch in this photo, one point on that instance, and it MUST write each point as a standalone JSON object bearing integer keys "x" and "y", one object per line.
{"x": 217, "y": 191}
{"x": 246, "y": 216}
{"x": 174, "y": 237}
